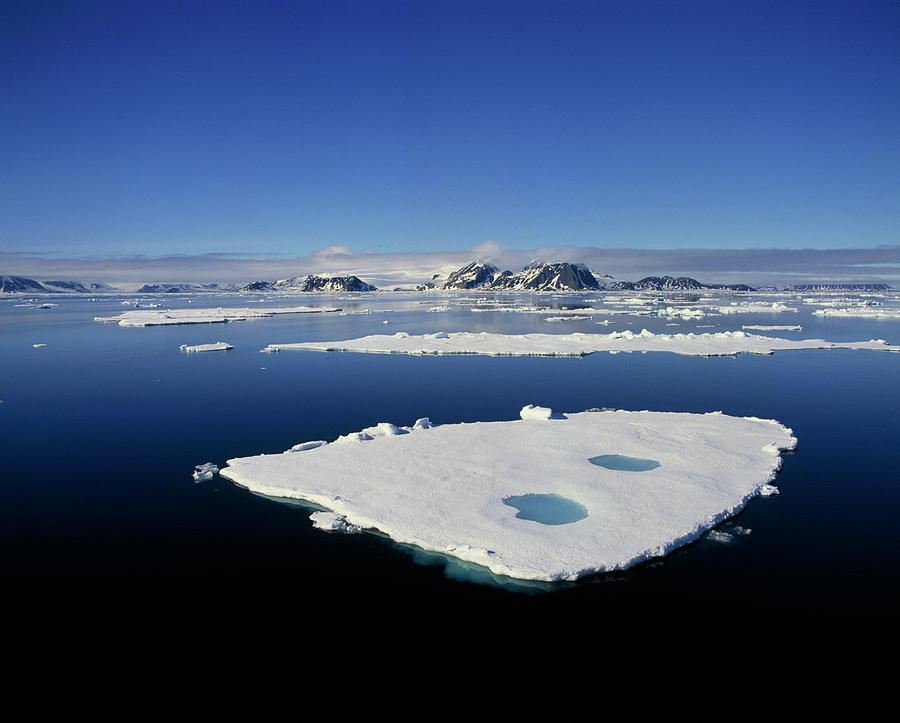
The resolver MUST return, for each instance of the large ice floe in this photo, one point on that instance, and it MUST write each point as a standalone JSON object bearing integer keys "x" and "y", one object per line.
{"x": 150, "y": 317}
{"x": 724, "y": 343}
{"x": 861, "y": 312}
{"x": 546, "y": 497}
{"x": 217, "y": 346}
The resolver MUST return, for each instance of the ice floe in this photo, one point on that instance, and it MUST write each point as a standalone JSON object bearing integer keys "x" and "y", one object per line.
{"x": 144, "y": 317}
{"x": 217, "y": 346}
{"x": 454, "y": 489}
{"x": 724, "y": 343}
{"x": 763, "y": 327}
{"x": 861, "y": 312}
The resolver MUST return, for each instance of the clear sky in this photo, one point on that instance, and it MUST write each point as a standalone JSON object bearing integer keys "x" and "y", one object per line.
{"x": 193, "y": 127}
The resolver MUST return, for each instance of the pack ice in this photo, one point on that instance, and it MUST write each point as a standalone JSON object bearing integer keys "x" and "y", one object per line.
{"x": 454, "y": 488}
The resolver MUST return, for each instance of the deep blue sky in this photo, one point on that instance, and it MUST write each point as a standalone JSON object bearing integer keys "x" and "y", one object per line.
{"x": 190, "y": 127}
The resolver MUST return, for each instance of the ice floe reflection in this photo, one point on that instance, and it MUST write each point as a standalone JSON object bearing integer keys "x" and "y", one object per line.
{"x": 547, "y": 509}
{"x": 621, "y": 463}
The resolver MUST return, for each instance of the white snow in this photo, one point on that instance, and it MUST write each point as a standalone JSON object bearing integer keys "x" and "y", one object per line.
{"x": 576, "y": 344}
{"x": 442, "y": 489}
{"x": 217, "y": 346}
{"x": 205, "y": 472}
{"x": 144, "y": 317}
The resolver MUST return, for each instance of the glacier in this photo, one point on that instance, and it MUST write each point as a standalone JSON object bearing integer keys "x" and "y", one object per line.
{"x": 442, "y": 488}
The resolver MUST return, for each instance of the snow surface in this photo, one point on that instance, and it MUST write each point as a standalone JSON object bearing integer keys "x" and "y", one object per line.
{"x": 576, "y": 344}
{"x": 442, "y": 488}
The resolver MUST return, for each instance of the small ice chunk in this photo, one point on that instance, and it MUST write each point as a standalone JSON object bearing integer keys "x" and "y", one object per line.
{"x": 218, "y": 346}
{"x": 205, "y": 472}
{"x": 389, "y": 430}
{"x": 38, "y": 346}
{"x": 332, "y": 522}
{"x": 383, "y": 429}
{"x": 303, "y": 446}
{"x": 768, "y": 490}
{"x": 423, "y": 423}
{"x": 530, "y": 411}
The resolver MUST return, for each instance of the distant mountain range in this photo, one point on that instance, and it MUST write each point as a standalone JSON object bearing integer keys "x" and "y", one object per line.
{"x": 837, "y": 287}
{"x": 674, "y": 283}
{"x": 561, "y": 276}
{"x": 312, "y": 283}
{"x": 20, "y": 284}
{"x": 567, "y": 277}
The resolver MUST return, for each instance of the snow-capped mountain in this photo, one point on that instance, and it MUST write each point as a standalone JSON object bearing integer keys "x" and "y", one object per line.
{"x": 548, "y": 277}
{"x": 21, "y": 284}
{"x": 838, "y": 287}
{"x": 74, "y": 286}
{"x": 178, "y": 288}
{"x": 471, "y": 276}
{"x": 257, "y": 286}
{"x": 322, "y": 283}
{"x": 673, "y": 283}
{"x": 13, "y": 284}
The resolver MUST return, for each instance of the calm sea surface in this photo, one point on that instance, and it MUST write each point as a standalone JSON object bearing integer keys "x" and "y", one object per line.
{"x": 101, "y": 430}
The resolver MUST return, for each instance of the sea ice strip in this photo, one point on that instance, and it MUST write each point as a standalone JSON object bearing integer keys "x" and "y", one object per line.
{"x": 217, "y": 346}
{"x": 442, "y": 488}
{"x": 725, "y": 343}
{"x": 151, "y": 317}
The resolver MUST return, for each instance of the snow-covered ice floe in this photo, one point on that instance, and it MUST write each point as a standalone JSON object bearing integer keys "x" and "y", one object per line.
{"x": 454, "y": 489}
{"x": 217, "y": 346}
{"x": 763, "y": 327}
{"x": 725, "y": 343}
{"x": 861, "y": 312}
{"x": 144, "y": 317}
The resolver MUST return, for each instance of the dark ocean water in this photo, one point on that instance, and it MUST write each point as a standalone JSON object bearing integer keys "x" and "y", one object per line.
{"x": 101, "y": 430}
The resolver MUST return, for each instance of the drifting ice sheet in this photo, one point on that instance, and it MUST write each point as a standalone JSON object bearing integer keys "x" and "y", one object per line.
{"x": 142, "y": 317}
{"x": 217, "y": 346}
{"x": 442, "y": 488}
{"x": 466, "y": 342}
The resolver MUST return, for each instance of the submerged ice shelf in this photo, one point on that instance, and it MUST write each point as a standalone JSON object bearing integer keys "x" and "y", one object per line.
{"x": 724, "y": 343}
{"x": 455, "y": 488}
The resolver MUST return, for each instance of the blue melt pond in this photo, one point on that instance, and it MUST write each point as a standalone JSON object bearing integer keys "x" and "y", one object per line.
{"x": 621, "y": 463}
{"x": 547, "y": 509}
